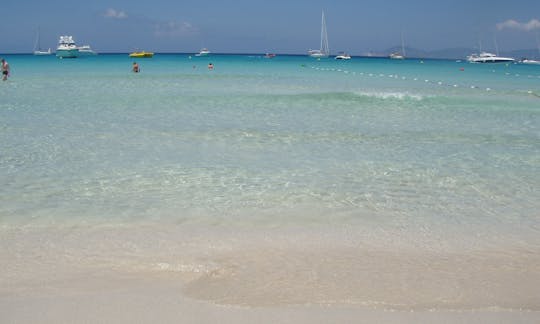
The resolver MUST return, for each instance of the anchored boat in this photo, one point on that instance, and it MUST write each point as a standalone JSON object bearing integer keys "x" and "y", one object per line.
{"x": 141, "y": 54}
{"x": 324, "y": 51}
{"x": 67, "y": 48}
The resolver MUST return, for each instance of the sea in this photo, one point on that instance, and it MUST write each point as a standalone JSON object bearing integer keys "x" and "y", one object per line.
{"x": 300, "y": 157}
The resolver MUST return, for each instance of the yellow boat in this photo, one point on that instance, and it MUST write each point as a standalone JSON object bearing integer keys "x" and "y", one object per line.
{"x": 141, "y": 54}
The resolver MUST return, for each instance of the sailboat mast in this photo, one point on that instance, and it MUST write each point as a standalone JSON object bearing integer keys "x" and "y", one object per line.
{"x": 537, "y": 43}
{"x": 402, "y": 45}
{"x": 496, "y": 45}
{"x": 322, "y": 32}
{"x": 324, "y": 36}
{"x": 37, "y": 45}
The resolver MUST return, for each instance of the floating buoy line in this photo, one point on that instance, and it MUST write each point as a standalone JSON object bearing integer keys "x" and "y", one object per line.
{"x": 433, "y": 82}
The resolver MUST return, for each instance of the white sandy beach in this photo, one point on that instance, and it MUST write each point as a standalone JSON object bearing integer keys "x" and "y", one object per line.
{"x": 158, "y": 300}
{"x": 190, "y": 274}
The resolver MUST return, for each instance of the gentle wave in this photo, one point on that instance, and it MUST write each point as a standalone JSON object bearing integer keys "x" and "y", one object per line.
{"x": 391, "y": 95}
{"x": 354, "y": 96}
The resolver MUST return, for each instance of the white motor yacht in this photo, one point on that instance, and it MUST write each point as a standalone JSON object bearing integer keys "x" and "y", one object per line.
{"x": 203, "y": 52}
{"x": 67, "y": 48}
{"x": 343, "y": 56}
{"x": 485, "y": 57}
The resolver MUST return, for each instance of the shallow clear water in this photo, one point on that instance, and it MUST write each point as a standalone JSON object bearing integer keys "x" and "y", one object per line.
{"x": 366, "y": 141}
{"x": 395, "y": 184}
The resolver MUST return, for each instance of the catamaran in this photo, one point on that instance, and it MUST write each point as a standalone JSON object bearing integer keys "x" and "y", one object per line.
{"x": 324, "y": 51}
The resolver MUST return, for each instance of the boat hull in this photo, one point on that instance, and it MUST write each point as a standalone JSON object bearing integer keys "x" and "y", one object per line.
{"x": 203, "y": 52}
{"x": 86, "y": 51}
{"x": 317, "y": 54}
{"x": 491, "y": 60}
{"x": 141, "y": 55}
{"x": 67, "y": 53}
{"x": 397, "y": 56}
{"x": 485, "y": 57}
{"x": 42, "y": 53}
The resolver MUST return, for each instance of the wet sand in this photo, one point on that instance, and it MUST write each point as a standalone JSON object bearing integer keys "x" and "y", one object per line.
{"x": 126, "y": 274}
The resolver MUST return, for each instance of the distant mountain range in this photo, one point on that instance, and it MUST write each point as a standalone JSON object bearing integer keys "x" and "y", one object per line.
{"x": 455, "y": 53}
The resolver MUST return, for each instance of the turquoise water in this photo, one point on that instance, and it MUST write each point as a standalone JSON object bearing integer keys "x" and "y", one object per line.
{"x": 432, "y": 145}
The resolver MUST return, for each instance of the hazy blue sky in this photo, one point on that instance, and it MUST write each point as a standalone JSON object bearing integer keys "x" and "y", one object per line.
{"x": 257, "y": 26}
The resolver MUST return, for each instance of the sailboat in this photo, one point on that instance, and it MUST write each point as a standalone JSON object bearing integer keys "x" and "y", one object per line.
{"x": 324, "y": 51}
{"x": 37, "y": 47}
{"x": 398, "y": 55}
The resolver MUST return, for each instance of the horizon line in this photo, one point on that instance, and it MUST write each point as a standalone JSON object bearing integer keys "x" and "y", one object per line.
{"x": 383, "y": 53}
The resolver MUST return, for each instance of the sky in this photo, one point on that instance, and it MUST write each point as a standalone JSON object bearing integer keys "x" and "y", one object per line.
{"x": 260, "y": 26}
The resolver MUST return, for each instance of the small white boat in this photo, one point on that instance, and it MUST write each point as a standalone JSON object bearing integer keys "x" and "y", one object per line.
{"x": 67, "y": 48}
{"x": 85, "y": 50}
{"x": 527, "y": 61}
{"x": 342, "y": 56}
{"x": 203, "y": 52}
{"x": 397, "y": 56}
{"x": 485, "y": 57}
{"x": 324, "y": 51}
{"x": 142, "y": 54}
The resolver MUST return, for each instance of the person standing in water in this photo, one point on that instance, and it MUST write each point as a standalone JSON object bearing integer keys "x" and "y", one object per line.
{"x": 135, "y": 67}
{"x": 5, "y": 70}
